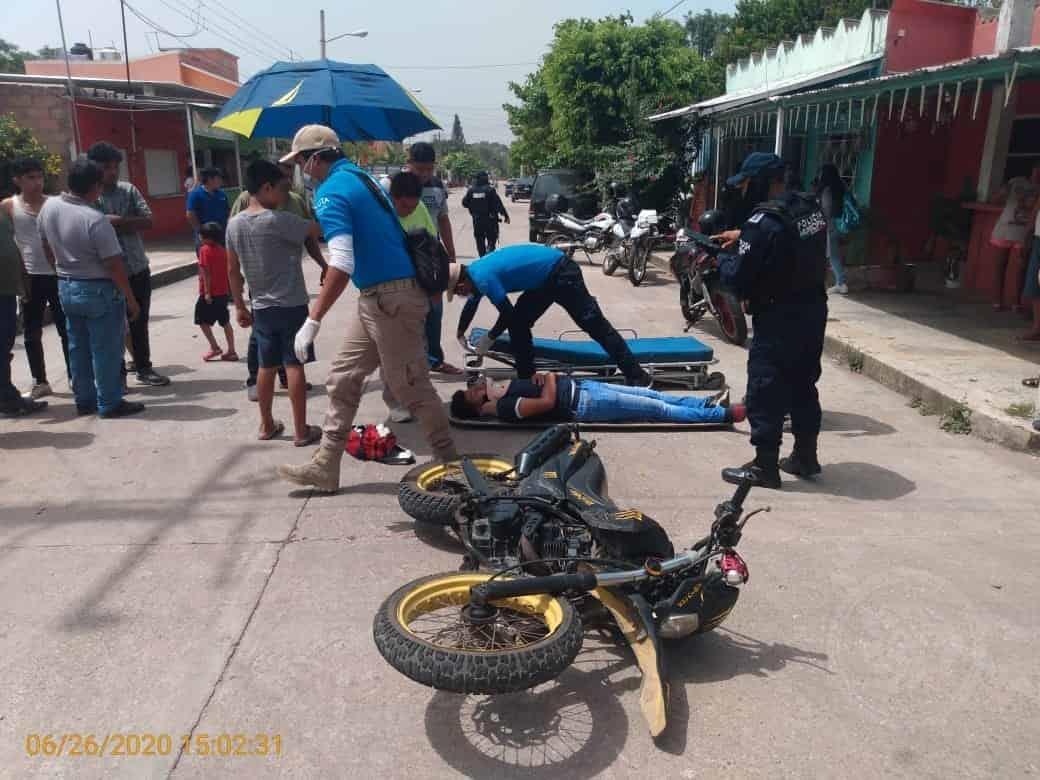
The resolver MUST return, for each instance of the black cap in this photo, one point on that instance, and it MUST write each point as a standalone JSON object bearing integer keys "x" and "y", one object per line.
{"x": 756, "y": 164}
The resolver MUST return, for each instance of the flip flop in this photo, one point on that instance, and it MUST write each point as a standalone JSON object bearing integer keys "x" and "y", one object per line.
{"x": 1033, "y": 381}
{"x": 313, "y": 437}
{"x": 230, "y": 357}
{"x": 213, "y": 354}
{"x": 278, "y": 430}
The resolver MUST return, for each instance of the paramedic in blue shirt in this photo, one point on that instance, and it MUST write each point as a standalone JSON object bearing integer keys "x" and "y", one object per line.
{"x": 365, "y": 244}
{"x": 544, "y": 276}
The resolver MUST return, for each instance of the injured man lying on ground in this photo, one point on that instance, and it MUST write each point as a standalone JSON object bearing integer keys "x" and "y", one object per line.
{"x": 559, "y": 398}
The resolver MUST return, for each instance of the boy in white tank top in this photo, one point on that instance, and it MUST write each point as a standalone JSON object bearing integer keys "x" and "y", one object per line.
{"x": 41, "y": 282}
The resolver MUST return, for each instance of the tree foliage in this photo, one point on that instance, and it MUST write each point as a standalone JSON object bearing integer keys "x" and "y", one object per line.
{"x": 458, "y": 138}
{"x": 12, "y": 58}
{"x": 16, "y": 141}
{"x": 462, "y": 165}
{"x": 586, "y": 105}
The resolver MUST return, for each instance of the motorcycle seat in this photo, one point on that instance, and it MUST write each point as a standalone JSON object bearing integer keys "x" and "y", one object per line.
{"x": 586, "y": 352}
{"x": 578, "y": 221}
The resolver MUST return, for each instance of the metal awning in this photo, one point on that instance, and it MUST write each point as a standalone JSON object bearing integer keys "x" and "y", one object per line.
{"x": 736, "y": 100}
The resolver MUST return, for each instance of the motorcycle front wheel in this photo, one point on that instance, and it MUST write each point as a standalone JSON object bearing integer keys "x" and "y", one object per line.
{"x": 688, "y": 301}
{"x": 431, "y": 493}
{"x": 640, "y": 259}
{"x": 426, "y": 632}
{"x": 730, "y": 316}
{"x": 611, "y": 261}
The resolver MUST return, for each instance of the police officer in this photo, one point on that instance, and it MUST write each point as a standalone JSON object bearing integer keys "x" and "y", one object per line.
{"x": 779, "y": 270}
{"x": 484, "y": 206}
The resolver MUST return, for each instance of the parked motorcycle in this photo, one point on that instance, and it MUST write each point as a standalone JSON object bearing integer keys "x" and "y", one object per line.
{"x": 571, "y": 234}
{"x": 546, "y": 550}
{"x": 700, "y": 289}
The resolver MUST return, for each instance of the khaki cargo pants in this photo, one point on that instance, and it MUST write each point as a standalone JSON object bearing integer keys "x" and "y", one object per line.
{"x": 387, "y": 332}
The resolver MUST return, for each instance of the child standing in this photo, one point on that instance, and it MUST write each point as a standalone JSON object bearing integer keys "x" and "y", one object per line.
{"x": 265, "y": 246}
{"x": 214, "y": 293}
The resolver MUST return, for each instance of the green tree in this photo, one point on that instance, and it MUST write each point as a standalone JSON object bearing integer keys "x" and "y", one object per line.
{"x": 12, "y": 59}
{"x": 587, "y": 104}
{"x": 16, "y": 141}
{"x": 462, "y": 165}
{"x": 458, "y": 138}
{"x": 706, "y": 29}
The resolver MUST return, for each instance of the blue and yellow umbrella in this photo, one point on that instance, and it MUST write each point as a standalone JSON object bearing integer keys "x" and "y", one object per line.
{"x": 359, "y": 102}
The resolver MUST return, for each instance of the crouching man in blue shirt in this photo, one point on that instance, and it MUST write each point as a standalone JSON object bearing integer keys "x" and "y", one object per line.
{"x": 545, "y": 276}
{"x": 366, "y": 245}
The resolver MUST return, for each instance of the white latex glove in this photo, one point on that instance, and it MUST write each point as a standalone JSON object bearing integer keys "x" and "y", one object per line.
{"x": 483, "y": 345}
{"x": 305, "y": 338}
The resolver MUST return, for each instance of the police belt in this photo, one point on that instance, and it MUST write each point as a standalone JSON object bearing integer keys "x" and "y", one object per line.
{"x": 761, "y": 304}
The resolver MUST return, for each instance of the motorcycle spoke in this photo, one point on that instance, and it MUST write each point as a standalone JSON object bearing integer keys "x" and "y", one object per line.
{"x": 444, "y": 625}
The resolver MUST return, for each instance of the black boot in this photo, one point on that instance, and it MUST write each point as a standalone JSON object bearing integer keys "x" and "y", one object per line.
{"x": 761, "y": 472}
{"x": 804, "y": 465}
{"x": 802, "y": 461}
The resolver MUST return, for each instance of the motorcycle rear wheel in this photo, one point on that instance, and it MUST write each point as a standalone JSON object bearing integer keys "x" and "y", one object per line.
{"x": 639, "y": 260}
{"x": 555, "y": 239}
{"x": 422, "y": 630}
{"x": 430, "y": 493}
{"x": 730, "y": 316}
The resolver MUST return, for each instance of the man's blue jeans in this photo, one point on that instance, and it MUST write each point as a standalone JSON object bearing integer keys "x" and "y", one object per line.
{"x": 599, "y": 402}
{"x": 434, "y": 352}
{"x": 95, "y": 313}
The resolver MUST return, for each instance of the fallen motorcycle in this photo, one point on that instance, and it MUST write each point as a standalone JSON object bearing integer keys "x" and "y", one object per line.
{"x": 700, "y": 289}
{"x": 546, "y": 552}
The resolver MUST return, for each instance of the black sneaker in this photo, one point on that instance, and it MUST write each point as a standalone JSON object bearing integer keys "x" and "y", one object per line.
{"x": 125, "y": 409}
{"x": 804, "y": 466}
{"x": 758, "y": 476}
{"x": 22, "y": 407}
{"x": 152, "y": 379}
{"x": 83, "y": 411}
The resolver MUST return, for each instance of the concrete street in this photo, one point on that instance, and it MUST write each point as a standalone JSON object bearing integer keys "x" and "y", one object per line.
{"x": 156, "y": 577}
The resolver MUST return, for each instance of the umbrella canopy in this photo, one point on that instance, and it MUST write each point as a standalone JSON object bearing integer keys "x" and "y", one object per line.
{"x": 359, "y": 102}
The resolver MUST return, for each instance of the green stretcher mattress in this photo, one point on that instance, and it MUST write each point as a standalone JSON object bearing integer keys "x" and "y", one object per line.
{"x": 675, "y": 350}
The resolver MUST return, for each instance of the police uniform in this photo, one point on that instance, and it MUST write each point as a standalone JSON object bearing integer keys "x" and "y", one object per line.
{"x": 484, "y": 207}
{"x": 779, "y": 269}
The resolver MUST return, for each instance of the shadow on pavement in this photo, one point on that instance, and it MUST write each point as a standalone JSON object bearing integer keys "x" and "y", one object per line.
{"x": 182, "y": 412}
{"x": 853, "y": 425}
{"x": 191, "y": 388}
{"x": 861, "y": 481}
{"x": 24, "y": 440}
{"x": 573, "y": 727}
{"x": 714, "y": 657}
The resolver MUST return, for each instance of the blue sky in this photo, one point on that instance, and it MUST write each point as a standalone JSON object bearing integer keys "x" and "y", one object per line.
{"x": 409, "y": 39}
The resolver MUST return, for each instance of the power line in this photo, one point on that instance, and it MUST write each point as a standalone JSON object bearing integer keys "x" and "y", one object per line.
{"x": 241, "y": 44}
{"x": 155, "y": 26}
{"x": 673, "y": 7}
{"x": 235, "y": 19}
{"x": 462, "y": 67}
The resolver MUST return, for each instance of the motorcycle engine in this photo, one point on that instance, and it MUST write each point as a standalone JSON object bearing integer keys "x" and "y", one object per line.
{"x": 511, "y": 535}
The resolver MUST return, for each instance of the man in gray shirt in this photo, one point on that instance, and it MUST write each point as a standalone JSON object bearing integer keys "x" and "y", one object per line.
{"x": 94, "y": 289}
{"x": 265, "y": 250}
{"x": 129, "y": 213}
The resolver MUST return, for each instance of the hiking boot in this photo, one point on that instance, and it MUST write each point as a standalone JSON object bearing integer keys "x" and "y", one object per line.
{"x": 767, "y": 476}
{"x": 321, "y": 473}
{"x": 801, "y": 465}
{"x": 125, "y": 409}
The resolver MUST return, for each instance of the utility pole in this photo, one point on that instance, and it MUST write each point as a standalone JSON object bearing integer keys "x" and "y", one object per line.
{"x": 72, "y": 88}
{"x": 129, "y": 88}
{"x": 321, "y": 14}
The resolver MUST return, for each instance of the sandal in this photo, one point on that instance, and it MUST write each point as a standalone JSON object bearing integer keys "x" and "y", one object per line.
{"x": 213, "y": 354}
{"x": 447, "y": 368}
{"x": 278, "y": 430}
{"x": 230, "y": 357}
{"x": 313, "y": 437}
{"x": 1033, "y": 381}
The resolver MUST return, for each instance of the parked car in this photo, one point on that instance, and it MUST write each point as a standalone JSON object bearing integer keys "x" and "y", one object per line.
{"x": 522, "y": 188}
{"x": 575, "y": 186}
{"x": 510, "y": 183}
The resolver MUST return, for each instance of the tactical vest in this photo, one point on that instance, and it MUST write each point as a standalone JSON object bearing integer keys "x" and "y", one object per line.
{"x": 800, "y": 270}
{"x": 480, "y": 203}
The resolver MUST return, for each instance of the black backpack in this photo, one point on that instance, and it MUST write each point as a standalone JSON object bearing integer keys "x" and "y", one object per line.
{"x": 429, "y": 257}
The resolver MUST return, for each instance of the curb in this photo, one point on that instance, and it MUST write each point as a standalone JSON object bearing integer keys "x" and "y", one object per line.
{"x": 983, "y": 424}
{"x": 165, "y": 277}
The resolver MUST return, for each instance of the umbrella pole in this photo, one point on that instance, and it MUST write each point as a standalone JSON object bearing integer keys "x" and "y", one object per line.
{"x": 238, "y": 161}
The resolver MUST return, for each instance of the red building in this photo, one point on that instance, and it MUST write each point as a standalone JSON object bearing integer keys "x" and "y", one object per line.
{"x": 147, "y": 118}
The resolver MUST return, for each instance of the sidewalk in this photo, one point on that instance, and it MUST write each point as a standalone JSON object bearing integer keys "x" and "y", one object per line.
{"x": 171, "y": 260}
{"x": 944, "y": 352}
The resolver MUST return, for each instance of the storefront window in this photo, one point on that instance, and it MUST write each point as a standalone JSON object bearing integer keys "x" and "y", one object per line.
{"x": 1024, "y": 147}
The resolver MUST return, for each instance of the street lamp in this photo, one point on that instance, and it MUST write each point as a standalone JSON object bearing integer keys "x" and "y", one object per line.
{"x": 324, "y": 40}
